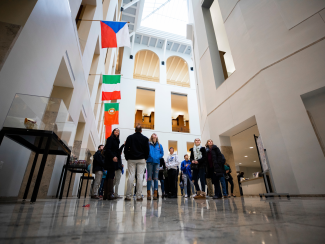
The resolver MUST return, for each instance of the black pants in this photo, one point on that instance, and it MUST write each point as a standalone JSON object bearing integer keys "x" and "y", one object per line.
{"x": 199, "y": 174}
{"x": 172, "y": 177}
{"x": 231, "y": 185}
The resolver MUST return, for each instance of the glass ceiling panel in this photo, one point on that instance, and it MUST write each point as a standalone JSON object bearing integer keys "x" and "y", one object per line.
{"x": 165, "y": 15}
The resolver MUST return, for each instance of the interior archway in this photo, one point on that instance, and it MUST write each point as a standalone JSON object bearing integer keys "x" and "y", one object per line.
{"x": 177, "y": 72}
{"x": 146, "y": 66}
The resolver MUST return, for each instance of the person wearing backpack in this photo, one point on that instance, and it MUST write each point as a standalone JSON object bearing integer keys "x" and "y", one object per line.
{"x": 215, "y": 157}
{"x": 229, "y": 179}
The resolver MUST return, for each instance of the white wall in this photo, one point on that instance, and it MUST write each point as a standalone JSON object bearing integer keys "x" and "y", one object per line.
{"x": 31, "y": 68}
{"x": 275, "y": 64}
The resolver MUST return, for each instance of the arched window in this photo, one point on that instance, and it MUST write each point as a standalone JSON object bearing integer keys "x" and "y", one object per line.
{"x": 177, "y": 72}
{"x": 146, "y": 66}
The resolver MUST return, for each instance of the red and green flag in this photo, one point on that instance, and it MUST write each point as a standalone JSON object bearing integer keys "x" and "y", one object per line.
{"x": 111, "y": 87}
{"x": 111, "y": 113}
{"x": 108, "y": 131}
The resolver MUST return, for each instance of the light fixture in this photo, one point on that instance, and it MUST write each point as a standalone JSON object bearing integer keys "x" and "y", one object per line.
{"x": 246, "y": 156}
{"x": 254, "y": 161}
{"x": 251, "y": 147}
{"x": 239, "y": 163}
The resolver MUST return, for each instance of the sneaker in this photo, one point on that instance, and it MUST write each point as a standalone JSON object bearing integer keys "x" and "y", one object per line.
{"x": 94, "y": 197}
{"x": 127, "y": 199}
{"x": 216, "y": 197}
{"x": 186, "y": 196}
{"x": 117, "y": 196}
{"x": 140, "y": 199}
{"x": 225, "y": 197}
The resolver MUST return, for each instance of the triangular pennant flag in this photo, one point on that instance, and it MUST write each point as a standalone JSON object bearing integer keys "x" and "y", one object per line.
{"x": 111, "y": 113}
{"x": 111, "y": 87}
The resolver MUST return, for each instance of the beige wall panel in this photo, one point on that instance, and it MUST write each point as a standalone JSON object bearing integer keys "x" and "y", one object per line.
{"x": 226, "y": 7}
{"x": 270, "y": 37}
{"x": 291, "y": 114}
{"x": 294, "y": 12}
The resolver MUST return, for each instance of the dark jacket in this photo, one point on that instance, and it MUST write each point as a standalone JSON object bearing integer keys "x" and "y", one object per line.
{"x": 161, "y": 172}
{"x": 203, "y": 160}
{"x": 218, "y": 160}
{"x": 98, "y": 163}
{"x": 136, "y": 147}
{"x": 112, "y": 150}
{"x": 119, "y": 165}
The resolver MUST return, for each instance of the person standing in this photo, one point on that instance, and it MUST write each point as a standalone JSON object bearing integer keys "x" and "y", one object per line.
{"x": 229, "y": 179}
{"x": 181, "y": 183}
{"x": 172, "y": 164}
{"x": 161, "y": 176}
{"x": 101, "y": 188}
{"x": 187, "y": 175}
{"x": 118, "y": 174}
{"x": 136, "y": 153}
{"x": 240, "y": 177}
{"x": 156, "y": 152}
{"x": 216, "y": 158}
{"x": 112, "y": 153}
{"x": 198, "y": 165}
{"x": 98, "y": 167}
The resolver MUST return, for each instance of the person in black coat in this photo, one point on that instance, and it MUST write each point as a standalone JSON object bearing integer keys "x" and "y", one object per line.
{"x": 216, "y": 158}
{"x": 98, "y": 167}
{"x": 161, "y": 176}
{"x": 112, "y": 153}
{"x": 198, "y": 165}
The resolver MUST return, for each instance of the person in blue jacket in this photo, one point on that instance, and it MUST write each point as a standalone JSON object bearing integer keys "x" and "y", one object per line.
{"x": 187, "y": 174}
{"x": 156, "y": 152}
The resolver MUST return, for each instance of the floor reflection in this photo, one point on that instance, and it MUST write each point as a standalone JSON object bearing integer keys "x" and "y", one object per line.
{"x": 235, "y": 220}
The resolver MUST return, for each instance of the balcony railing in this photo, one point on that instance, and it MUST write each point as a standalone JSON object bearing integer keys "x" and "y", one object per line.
{"x": 145, "y": 126}
{"x": 180, "y": 129}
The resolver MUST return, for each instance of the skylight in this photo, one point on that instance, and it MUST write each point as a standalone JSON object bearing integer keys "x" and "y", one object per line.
{"x": 165, "y": 15}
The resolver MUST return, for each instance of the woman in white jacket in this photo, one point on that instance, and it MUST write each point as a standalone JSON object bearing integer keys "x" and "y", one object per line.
{"x": 172, "y": 164}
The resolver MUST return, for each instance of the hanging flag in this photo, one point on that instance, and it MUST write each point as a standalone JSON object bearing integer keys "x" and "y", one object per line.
{"x": 115, "y": 34}
{"x": 111, "y": 87}
{"x": 108, "y": 131}
{"x": 111, "y": 113}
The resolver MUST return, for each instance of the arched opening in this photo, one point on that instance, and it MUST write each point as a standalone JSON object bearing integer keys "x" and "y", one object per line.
{"x": 146, "y": 66}
{"x": 177, "y": 72}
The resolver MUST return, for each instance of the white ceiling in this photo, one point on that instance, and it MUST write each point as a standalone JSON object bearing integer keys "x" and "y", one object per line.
{"x": 166, "y": 15}
{"x": 241, "y": 144}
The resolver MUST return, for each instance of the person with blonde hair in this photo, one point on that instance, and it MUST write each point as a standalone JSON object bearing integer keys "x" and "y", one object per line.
{"x": 156, "y": 152}
{"x": 198, "y": 159}
{"x": 216, "y": 162}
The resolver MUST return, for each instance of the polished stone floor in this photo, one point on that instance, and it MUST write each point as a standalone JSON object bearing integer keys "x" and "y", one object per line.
{"x": 235, "y": 220}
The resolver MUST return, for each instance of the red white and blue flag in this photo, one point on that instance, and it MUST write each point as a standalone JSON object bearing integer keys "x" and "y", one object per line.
{"x": 115, "y": 34}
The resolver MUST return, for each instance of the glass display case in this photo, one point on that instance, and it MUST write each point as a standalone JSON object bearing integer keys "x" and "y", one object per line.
{"x": 41, "y": 113}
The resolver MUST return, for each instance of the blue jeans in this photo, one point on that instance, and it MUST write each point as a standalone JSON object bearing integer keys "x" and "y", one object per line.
{"x": 152, "y": 171}
{"x": 216, "y": 181}
{"x": 162, "y": 183}
{"x": 100, "y": 191}
{"x": 187, "y": 180}
{"x": 199, "y": 174}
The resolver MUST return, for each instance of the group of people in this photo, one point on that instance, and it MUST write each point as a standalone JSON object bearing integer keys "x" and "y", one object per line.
{"x": 205, "y": 164}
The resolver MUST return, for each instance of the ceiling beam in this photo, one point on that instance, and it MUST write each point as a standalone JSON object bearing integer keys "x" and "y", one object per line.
{"x": 184, "y": 77}
{"x": 127, "y": 14}
{"x": 179, "y": 47}
{"x": 175, "y": 69}
{"x": 150, "y": 63}
{"x": 165, "y": 45}
{"x": 136, "y": 63}
{"x": 141, "y": 39}
{"x": 185, "y": 49}
{"x": 185, "y": 64}
{"x": 170, "y": 65}
{"x": 143, "y": 63}
{"x": 171, "y": 46}
{"x": 129, "y": 4}
{"x": 156, "y": 42}
{"x": 149, "y": 41}
{"x": 154, "y": 72}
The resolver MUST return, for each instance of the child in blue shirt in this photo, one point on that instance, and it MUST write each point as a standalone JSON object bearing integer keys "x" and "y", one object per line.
{"x": 187, "y": 174}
